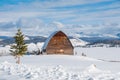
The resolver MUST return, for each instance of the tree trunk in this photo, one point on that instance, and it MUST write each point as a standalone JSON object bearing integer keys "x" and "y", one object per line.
{"x": 18, "y": 59}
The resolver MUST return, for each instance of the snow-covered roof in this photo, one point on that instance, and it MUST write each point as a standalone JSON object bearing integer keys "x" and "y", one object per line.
{"x": 48, "y": 39}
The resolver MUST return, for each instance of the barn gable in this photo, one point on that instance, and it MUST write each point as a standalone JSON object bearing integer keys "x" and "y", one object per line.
{"x": 58, "y": 43}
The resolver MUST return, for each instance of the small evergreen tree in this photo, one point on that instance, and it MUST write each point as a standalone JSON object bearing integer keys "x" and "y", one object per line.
{"x": 19, "y": 48}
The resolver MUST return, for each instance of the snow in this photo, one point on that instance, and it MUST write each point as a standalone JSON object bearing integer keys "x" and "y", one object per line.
{"x": 4, "y": 50}
{"x": 57, "y": 67}
{"x": 40, "y": 44}
{"x": 100, "y": 52}
{"x": 32, "y": 47}
{"x": 100, "y": 63}
{"x": 78, "y": 42}
{"x": 26, "y": 38}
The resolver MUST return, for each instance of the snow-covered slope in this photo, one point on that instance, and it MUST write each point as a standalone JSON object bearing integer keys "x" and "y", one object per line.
{"x": 57, "y": 67}
{"x": 78, "y": 42}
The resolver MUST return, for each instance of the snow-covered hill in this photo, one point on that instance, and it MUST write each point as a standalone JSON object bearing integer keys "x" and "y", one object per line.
{"x": 78, "y": 42}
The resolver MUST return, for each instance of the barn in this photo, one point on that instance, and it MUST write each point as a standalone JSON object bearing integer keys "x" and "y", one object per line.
{"x": 58, "y": 43}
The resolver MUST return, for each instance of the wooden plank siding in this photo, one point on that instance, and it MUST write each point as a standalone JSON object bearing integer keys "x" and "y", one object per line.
{"x": 59, "y": 44}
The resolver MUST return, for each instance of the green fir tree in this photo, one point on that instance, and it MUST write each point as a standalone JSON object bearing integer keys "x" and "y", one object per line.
{"x": 19, "y": 48}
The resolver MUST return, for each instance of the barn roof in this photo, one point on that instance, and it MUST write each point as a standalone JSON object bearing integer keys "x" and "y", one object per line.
{"x": 49, "y": 38}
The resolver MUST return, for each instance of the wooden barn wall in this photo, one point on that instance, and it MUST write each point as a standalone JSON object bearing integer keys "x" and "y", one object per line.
{"x": 59, "y": 44}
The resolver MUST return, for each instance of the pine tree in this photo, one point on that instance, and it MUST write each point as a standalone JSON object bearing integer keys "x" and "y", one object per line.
{"x": 19, "y": 48}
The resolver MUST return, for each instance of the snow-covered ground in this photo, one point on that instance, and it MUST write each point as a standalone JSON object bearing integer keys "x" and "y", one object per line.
{"x": 100, "y": 52}
{"x": 57, "y": 67}
{"x": 99, "y": 64}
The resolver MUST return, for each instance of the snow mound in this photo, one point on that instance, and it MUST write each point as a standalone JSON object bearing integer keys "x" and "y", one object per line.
{"x": 92, "y": 69}
{"x": 28, "y": 72}
{"x": 32, "y": 47}
{"x": 32, "y": 72}
{"x": 40, "y": 44}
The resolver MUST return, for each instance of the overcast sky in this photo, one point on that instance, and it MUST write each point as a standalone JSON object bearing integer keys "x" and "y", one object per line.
{"x": 59, "y": 12}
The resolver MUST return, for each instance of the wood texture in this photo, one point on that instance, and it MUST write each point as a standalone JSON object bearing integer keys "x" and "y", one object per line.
{"x": 59, "y": 44}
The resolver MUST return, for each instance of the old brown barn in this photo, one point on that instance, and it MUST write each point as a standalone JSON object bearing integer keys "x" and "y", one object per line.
{"x": 58, "y": 43}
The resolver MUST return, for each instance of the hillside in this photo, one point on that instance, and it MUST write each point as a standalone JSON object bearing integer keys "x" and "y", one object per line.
{"x": 82, "y": 41}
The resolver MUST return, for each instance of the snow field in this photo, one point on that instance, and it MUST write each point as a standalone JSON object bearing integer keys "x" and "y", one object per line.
{"x": 100, "y": 52}
{"x": 96, "y": 65}
{"x": 29, "y": 72}
{"x": 56, "y": 67}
